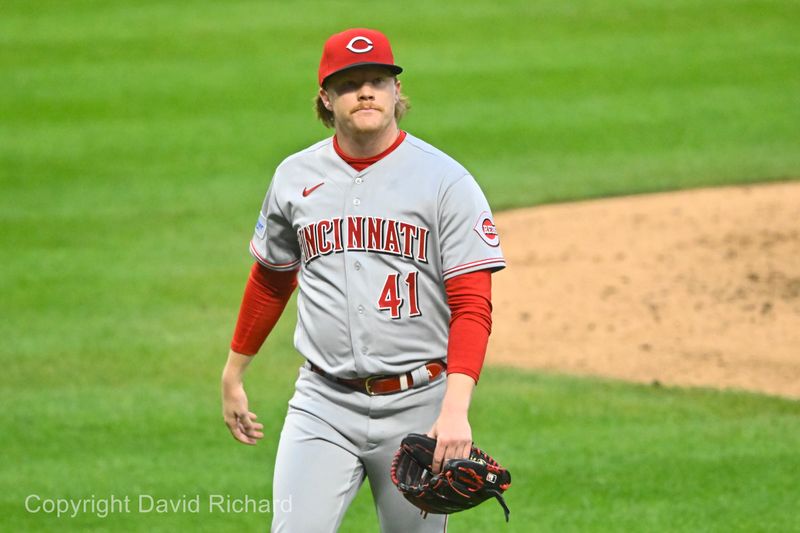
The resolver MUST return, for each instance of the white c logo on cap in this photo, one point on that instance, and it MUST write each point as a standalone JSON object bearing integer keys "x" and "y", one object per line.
{"x": 351, "y": 45}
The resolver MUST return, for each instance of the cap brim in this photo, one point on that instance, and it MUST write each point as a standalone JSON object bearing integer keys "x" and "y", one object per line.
{"x": 393, "y": 68}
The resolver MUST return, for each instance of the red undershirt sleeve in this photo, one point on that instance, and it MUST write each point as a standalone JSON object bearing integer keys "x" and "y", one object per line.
{"x": 470, "y": 299}
{"x": 265, "y": 296}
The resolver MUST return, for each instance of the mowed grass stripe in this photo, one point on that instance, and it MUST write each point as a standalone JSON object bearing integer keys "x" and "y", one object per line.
{"x": 586, "y": 455}
{"x": 526, "y": 96}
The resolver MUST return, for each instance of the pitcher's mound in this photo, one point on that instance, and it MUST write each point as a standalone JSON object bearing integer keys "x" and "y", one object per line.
{"x": 690, "y": 288}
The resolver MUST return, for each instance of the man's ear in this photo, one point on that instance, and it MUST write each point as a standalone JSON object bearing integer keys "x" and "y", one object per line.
{"x": 326, "y": 101}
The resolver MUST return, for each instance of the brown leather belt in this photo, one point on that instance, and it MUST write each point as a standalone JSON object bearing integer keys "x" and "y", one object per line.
{"x": 379, "y": 385}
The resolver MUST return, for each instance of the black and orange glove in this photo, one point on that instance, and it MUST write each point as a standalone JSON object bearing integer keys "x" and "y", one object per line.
{"x": 462, "y": 483}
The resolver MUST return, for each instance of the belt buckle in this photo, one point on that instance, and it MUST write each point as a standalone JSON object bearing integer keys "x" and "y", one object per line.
{"x": 367, "y": 385}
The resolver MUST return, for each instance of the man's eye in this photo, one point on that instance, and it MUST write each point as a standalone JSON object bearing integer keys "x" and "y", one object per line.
{"x": 378, "y": 81}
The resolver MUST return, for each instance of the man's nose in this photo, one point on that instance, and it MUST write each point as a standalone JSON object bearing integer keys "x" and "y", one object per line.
{"x": 365, "y": 92}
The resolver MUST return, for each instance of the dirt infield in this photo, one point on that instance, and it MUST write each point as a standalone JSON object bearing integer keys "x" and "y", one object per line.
{"x": 691, "y": 288}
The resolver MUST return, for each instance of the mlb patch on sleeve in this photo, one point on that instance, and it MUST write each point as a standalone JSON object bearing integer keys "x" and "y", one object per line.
{"x": 261, "y": 226}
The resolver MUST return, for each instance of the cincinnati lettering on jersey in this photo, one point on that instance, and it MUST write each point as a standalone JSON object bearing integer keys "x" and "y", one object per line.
{"x": 363, "y": 234}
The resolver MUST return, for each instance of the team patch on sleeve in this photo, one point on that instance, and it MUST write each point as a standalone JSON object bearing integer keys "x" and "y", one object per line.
{"x": 486, "y": 230}
{"x": 261, "y": 226}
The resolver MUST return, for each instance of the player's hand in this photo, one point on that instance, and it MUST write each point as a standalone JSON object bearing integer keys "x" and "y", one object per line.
{"x": 453, "y": 436}
{"x": 240, "y": 420}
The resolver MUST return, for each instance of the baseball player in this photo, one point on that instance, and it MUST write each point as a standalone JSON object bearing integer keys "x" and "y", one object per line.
{"x": 392, "y": 245}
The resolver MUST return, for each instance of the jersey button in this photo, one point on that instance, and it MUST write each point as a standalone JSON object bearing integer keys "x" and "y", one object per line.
{"x": 359, "y": 180}
{"x": 357, "y": 265}
{"x": 364, "y": 350}
{"x": 360, "y": 309}
{"x": 356, "y": 201}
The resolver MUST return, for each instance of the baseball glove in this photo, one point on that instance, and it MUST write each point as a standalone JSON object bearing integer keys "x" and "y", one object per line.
{"x": 462, "y": 483}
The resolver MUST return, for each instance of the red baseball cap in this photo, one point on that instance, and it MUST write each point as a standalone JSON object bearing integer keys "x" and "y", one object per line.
{"x": 354, "y": 48}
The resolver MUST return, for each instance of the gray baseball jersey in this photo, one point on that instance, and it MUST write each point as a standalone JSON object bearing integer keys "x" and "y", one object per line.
{"x": 374, "y": 249}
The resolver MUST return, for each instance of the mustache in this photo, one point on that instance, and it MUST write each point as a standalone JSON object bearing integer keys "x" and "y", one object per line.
{"x": 366, "y": 106}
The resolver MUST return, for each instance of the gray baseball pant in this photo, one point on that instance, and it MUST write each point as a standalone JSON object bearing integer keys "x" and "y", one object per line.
{"x": 333, "y": 437}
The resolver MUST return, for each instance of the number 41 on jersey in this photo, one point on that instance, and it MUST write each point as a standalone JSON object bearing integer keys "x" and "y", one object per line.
{"x": 391, "y": 300}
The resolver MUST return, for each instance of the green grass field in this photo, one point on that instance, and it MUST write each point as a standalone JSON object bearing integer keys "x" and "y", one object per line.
{"x": 136, "y": 143}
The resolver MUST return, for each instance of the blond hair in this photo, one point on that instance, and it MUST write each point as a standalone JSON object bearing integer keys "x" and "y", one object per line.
{"x": 326, "y": 116}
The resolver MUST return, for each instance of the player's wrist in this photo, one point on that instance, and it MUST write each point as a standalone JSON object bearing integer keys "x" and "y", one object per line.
{"x": 455, "y": 407}
{"x": 455, "y": 403}
{"x": 232, "y": 379}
